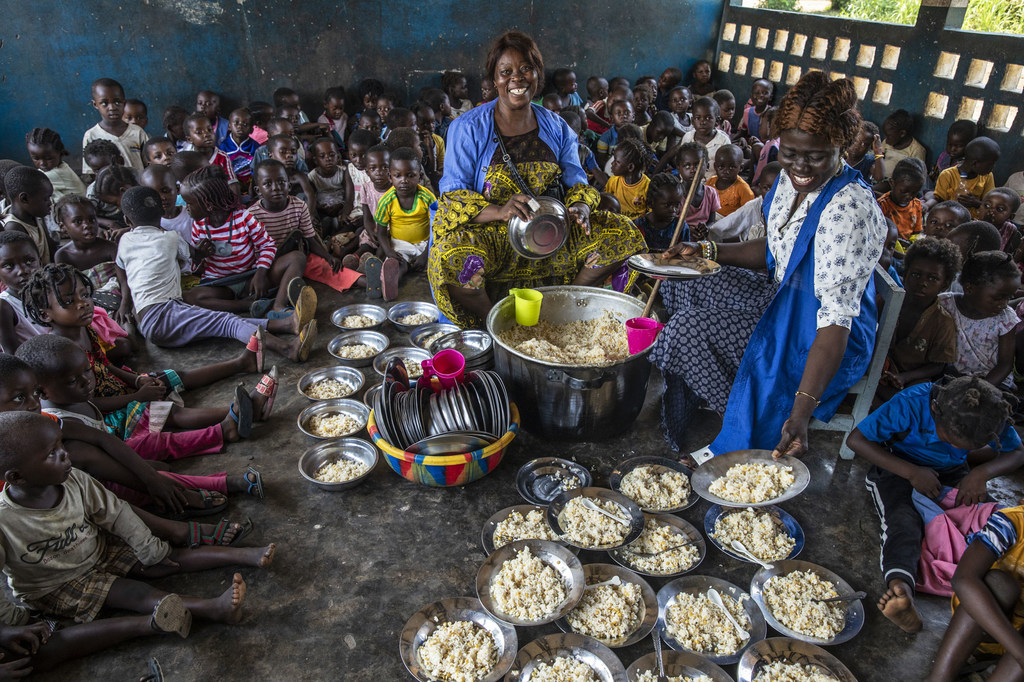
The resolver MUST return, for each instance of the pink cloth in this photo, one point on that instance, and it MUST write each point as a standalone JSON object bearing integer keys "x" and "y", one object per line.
{"x": 214, "y": 482}
{"x": 105, "y": 327}
{"x": 1006, "y": 232}
{"x": 174, "y": 445}
{"x": 319, "y": 270}
{"x": 945, "y": 542}
{"x": 708, "y": 205}
{"x": 259, "y": 134}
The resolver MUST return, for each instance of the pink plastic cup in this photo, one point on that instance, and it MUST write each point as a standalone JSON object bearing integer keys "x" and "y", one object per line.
{"x": 448, "y": 366}
{"x": 641, "y": 332}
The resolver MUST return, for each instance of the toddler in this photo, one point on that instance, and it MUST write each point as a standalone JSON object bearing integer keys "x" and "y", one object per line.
{"x": 642, "y": 98}
{"x": 564, "y": 81}
{"x": 431, "y": 143}
{"x": 438, "y": 101}
{"x": 280, "y": 126}
{"x": 733, "y": 191}
{"x": 19, "y": 258}
{"x": 971, "y": 179}
{"x": 385, "y": 103}
{"x": 919, "y": 442}
{"x": 203, "y": 139}
{"x": 105, "y": 194}
{"x": 959, "y": 134}
{"x": 454, "y": 85}
{"x": 700, "y": 79}
{"x": 99, "y": 154}
{"x": 705, "y": 116}
{"x": 377, "y": 161}
{"x": 334, "y": 115}
{"x": 727, "y": 109}
{"x": 588, "y": 161}
{"x": 173, "y": 121}
{"x": 899, "y": 142}
{"x": 108, "y": 100}
{"x": 47, "y": 152}
{"x": 333, "y": 186}
{"x": 747, "y": 222}
{"x": 29, "y": 192}
{"x": 705, "y": 203}
{"x": 403, "y": 222}
{"x": 89, "y": 253}
{"x": 866, "y": 154}
{"x": 621, "y": 114}
{"x": 998, "y": 207}
{"x": 261, "y": 112}
{"x": 239, "y": 146}
{"x": 766, "y": 151}
{"x": 5, "y": 203}
{"x": 669, "y": 79}
{"x": 628, "y": 183}
{"x": 761, "y": 94}
{"x": 158, "y": 151}
{"x": 208, "y": 104}
{"x": 285, "y": 149}
{"x": 984, "y": 320}
{"x": 944, "y": 217}
{"x": 597, "y": 93}
{"x": 371, "y": 122}
{"x": 358, "y": 145}
{"x": 664, "y": 200}
{"x": 900, "y": 204}
{"x": 370, "y": 89}
{"x": 135, "y": 111}
{"x": 679, "y": 102}
{"x": 552, "y": 102}
{"x": 487, "y": 91}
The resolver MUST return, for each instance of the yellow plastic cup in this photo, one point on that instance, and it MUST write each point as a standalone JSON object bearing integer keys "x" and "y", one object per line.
{"x": 528, "y": 303}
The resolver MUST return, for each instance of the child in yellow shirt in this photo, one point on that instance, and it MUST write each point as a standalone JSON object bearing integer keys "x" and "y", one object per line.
{"x": 971, "y": 179}
{"x": 628, "y": 182}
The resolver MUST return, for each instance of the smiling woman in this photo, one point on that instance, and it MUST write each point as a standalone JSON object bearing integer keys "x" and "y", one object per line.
{"x": 498, "y": 154}
{"x": 771, "y": 353}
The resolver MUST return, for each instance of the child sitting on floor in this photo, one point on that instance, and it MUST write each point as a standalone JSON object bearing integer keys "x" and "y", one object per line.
{"x": 588, "y": 161}
{"x": 700, "y": 214}
{"x": 898, "y": 140}
{"x": 158, "y": 151}
{"x": 47, "y": 152}
{"x": 705, "y": 116}
{"x": 377, "y": 161}
{"x": 900, "y": 204}
{"x": 87, "y": 251}
{"x": 108, "y": 99}
{"x": 29, "y": 192}
{"x": 628, "y": 182}
{"x": 998, "y": 207}
{"x": 285, "y": 149}
{"x": 748, "y": 222}
{"x": 621, "y": 113}
{"x": 19, "y": 258}
{"x": 726, "y": 110}
{"x": 669, "y": 79}
{"x": 45, "y": 496}
{"x": 944, "y": 217}
{"x": 136, "y": 111}
{"x": 208, "y": 104}
{"x": 642, "y": 97}
{"x": 865, "y": 153}
{"x": 925, "y": 339}
{"x": 761, "y": 93}
{"x": 919, "y": 441}
{"x": 173, "y": 122}
{"x": 454, "y": 85}
{"x": 971, "y": 179}
{"x": 664, "y": 201}
{"x": 175, "y": 218}
{"x": 334, "y": 114}
{"x": 240, "y": 147}
{"x": 984, "y": 320}
{"x": 203, "y": 139}
{"x": 597, "y": 93}
{"x": 332, "y": 185}
{"x": 700, "y": 79}
{"x": 111, "y": 183}
{"x": 733, "y": 191}
{"x": 959, "y": 134}
{"x": 679, "y": 102}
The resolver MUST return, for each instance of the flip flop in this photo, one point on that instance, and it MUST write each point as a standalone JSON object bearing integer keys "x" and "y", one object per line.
{"x": 197, "y": 539}
{"x": 172, "y": 616}
{"x": 389, "y": 275}
{"x": 256, "y": 344}
{"x": 241, "y": 411}
{"x": 305, "y": 305}
{"x": 260, "y": 307}
{"x": 255, "y": 487}
{"x": 295, "y": 287}
{"x": 280, "y": 314}
{"x": 307, "y": 338}
{"x": 268, "y": 386}
{"x": 156, "y": 673}
{"x": 208, "y": 508}
{"x": 373, "y": 268}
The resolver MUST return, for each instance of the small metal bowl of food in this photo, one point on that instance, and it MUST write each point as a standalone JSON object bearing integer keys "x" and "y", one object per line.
{"x": 409, "y": 355}
{"x": 426, "y": 334}
{"x": 330, "y": 419}
{"x": 407, "y": 316}
{"x": 370, "y": 394}
{"x": 338, "y": 464}
{"x": 357, "y": 349}
{"x": 329, "y": 383}
{"x": 359, "y": 316}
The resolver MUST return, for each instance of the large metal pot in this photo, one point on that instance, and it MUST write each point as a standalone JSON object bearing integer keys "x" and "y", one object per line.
{"x": 568, "y": 401}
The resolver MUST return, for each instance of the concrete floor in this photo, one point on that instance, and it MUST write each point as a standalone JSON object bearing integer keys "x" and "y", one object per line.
{"x": 352, "y": 567}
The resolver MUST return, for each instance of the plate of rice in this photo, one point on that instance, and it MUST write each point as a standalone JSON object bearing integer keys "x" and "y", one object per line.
{"x": 582, "y": 527}
{"x": 566, "y": 657}
{"x": 689, "y": 621}
{"x": 662, "y": 531}
{"x": 520, "y": 522}
{"x": 530, "y": 582}
{"x": 785, "y": 596}
{"x": 750, "y": 478}
{"x": 787, "y": 659}
{"x": 657, "y": 484}
{"x": 456, "y": 639}
{"x": 615, "y": 615}
{"x": 769, "y": 533}
{"x": 680, "y": 666}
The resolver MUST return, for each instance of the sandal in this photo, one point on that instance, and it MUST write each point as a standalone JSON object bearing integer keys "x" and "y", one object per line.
{"x": 389, "y": 274}
{"x": 295, "y": 287}
{"x": 197, "y": 539}
{"x": 268, "y": 387}
{"x": 307, "y": 338}
{"x": 305, "y": 305}
{"x": 209, "y": 507}
{"x": 241, "y": 411}
{"x": 260, "y": 307}
{"x": 171, "y": 616}
{"x": 373, "y": 268}
{"x": 256, "y": 345}
{"x": 280, "y": 314}
{"x": 255, "y": 486}
{"x": 156, "y": 673}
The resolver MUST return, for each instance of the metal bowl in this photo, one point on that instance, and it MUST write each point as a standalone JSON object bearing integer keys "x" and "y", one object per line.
{"x": 596, "y": 573}
{"x": 716, "y": 467}
{"x": 544, "y": 233}
{"x": 411, "y": 308}
{"x": 380, "y": 363}
{"x": 700, "y": 584}
{"x": 554, "y": 555}
{"x": 346, "y": 375}
{"x": 628, "y": 506}
{"x": 487, "y": 534}
{"x": 678, "y": 664}
{"x": 370, "y": 394}
{"x": 375, "y": 339}
{"x": 854, "y": 609}
{"x": 680, "y": 526}
{"x": 791, "y": 651}
{"x": 334, "y": 450}
{"x": 419, "y": 335}
{"x": 472, "y": 343}
{"x": 352, "y": 408}
{"x": 660, "y": 465}
{"x": 377, "y": 313}
{"x": 601, "y": 659}
{"x": 543, "y": 479}
{"x": 783, "y": 520}
{"x": 430, "y": 617}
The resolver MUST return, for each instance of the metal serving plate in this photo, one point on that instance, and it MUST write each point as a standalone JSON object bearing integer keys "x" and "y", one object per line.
{"x": 854, "y": 609}
{"x": 335, "y": 450}
{"x": 781, "y": 518}
{"x": 628, "y": 506}
{"x": 541, "y": 480}
{"x": 419, "y": 335}
{"x": 346, "y": 375}
{"x": 472, "y": 343}
{"x": 554, "y": 555}
{"x": 681, "y": 526}
{"x": 410, "y": 308}
{"x": 602, "y": 660}
{"x": 375, "y": 339}
{"x": 791, "y": 651}
{"x": 375, "y": 312}
{"x": 716, "y": 467}
{"x": 660, "y": 464}
{"x": 596, "y": 573}
{"x": 380, "y": 363}
{"x": 423, "y": 623}
{"x": 677, "y": 664}
{"x": 352, "y": 408}
{"x": 681, "y": 267}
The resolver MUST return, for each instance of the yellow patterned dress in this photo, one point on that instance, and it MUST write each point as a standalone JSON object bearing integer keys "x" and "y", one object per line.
{"x": 479, "y": 256}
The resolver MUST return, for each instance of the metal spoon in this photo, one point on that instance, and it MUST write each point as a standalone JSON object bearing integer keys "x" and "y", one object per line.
{"x": 589, "y": 504}
{"x": 645, "y": 555}
{"x": 614, "y": 581}
{"x": 657, "y": 653}
{"x": 741, "y": 549}
{"x": 848, "y": 597}
{"x": 716, "y": 599}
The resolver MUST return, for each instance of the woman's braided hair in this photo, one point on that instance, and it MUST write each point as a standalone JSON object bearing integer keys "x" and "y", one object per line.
{"x": 209, "y": 186}
{"x": 44, "y": 137}
{"x": 48, "y": 280}
{"x": 819, "y": 106}
{"x": 970, "y": 409}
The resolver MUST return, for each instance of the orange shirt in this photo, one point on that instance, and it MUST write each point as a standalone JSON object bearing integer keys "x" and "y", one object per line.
{"x": 908, "y": 219}
{"x": 738, "y": 194}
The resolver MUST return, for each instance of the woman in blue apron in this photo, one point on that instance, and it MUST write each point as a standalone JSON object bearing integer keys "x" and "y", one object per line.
{"x": 772, "y": 355}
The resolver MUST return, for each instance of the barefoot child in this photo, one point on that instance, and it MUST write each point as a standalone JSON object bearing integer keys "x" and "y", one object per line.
{"x": 919, "y": 441}
{"x": 29, "y": 192}
{"x": 45, "y": 497}
{"x": 87, "y": 251}
{"x": 628, "y": 182}
{"x": 47, "y": 152}
{"x": 733, "y": 191}
{"x": 900, "y": 204}
{"x": 403, "y": 222}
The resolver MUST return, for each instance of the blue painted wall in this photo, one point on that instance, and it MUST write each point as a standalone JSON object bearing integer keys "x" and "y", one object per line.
{"x": 164, "y": 51}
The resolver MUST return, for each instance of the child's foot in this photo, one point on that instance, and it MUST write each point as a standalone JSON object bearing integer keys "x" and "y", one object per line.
{"x": 203, "y": 502}
{"x": 302, "y": 346}
{"x": 251, "y": 359}
{"x": 897, "y": 604}
{"x": 223, "y": 533}
{"x": 351, "y": 261}
{"x": 362, "y": 261}
{"x": 264, "y": 394}
{"x": 250, "y": 483}
{"x": 228, "y": 606}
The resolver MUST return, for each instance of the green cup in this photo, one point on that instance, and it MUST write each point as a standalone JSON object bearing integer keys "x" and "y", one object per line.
{"x": 527, "y": 306}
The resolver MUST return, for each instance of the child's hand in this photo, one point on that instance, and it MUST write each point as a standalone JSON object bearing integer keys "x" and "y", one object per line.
{"x": 926, "y": 482}
{"x": 147, "y": 393}
{"x": 203, "y": 250}
{"x": 259, "y": 284}
{"x": 419, "y": 263}
{"x": 124, "y": 313}
{"x": 168, "y": 494}
{"x": 24, "y": 639}
{"x": 699, "y": 231}
{"x": 876, "y": 146}
{"x": 15, "y": 670}
{"x": 580, "y": 214}
{"x": 973, "y": 489}
{"x": 968, "y": 200}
